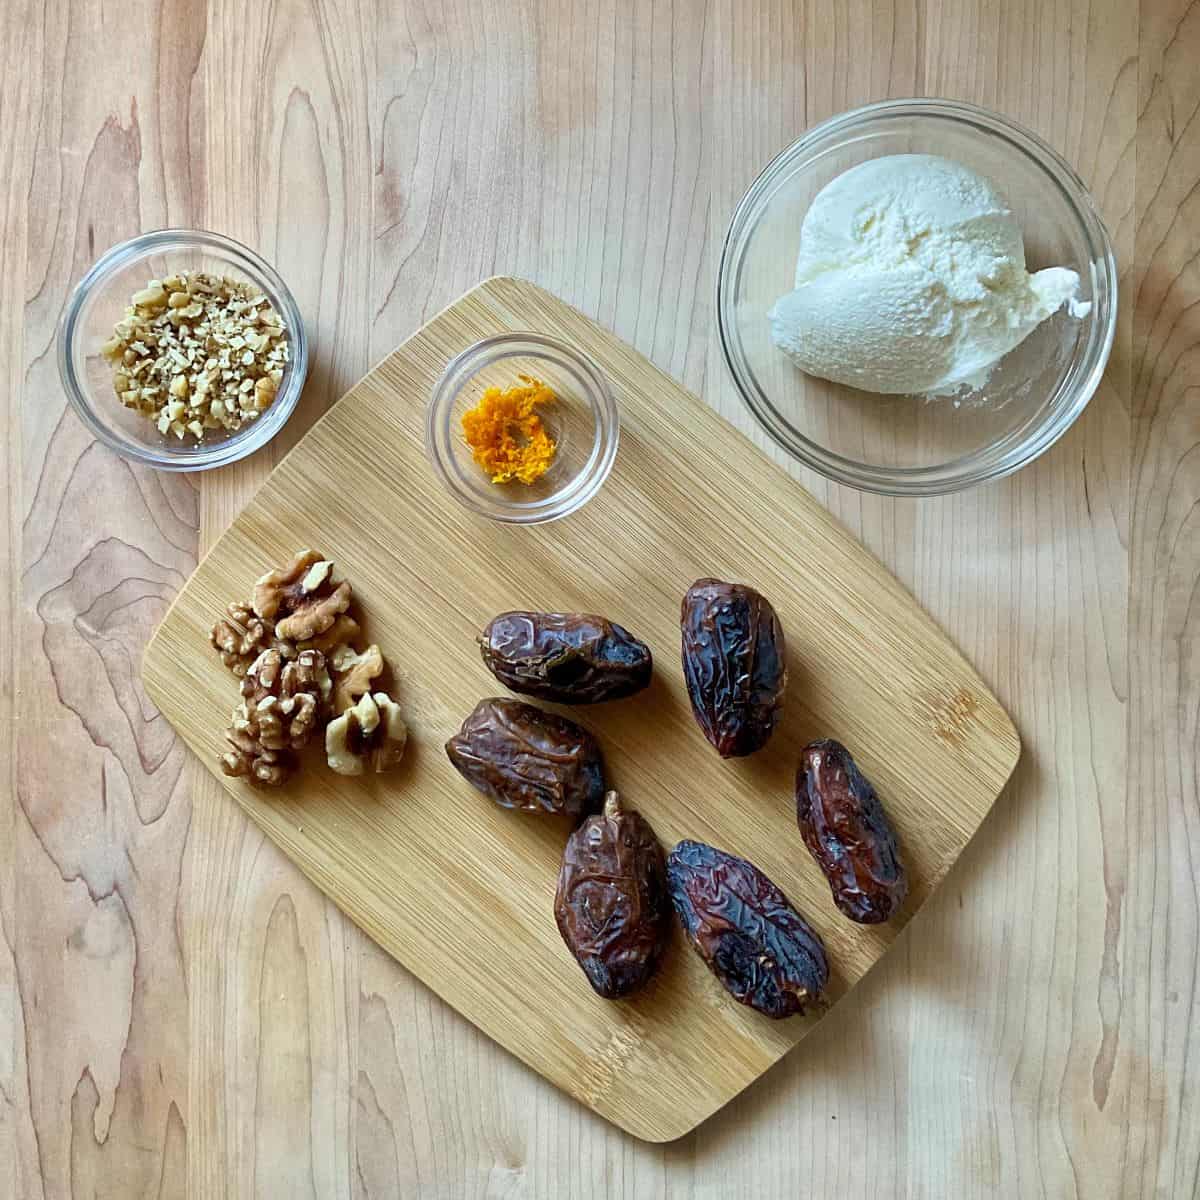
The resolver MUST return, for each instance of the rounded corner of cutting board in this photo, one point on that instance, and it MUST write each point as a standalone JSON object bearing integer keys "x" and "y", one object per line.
{"x": 669, "y": 1125}
{"x": 657, "y": 1135}
{"x": 1016, "y": 748}
{"x": 502, "y": 281}
{"x": 663, "y": 1128}
{"x": 1007, "y": 738}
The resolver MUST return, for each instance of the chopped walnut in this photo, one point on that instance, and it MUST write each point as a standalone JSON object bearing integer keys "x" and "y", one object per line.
{"x": 196, "y": 353}
{"x": 248, "y": 758}
{"x": 240, "y": 637}
{"x": 301, "y": 598}
{"x": 352, "y": 674}
{"x": 373, "y": 731}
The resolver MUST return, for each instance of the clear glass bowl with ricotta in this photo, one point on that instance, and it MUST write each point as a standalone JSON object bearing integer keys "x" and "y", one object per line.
{"x": 912, "y": 443}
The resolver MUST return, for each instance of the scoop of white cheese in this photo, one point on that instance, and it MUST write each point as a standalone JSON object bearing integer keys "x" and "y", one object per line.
{"x": 911, "y": 279}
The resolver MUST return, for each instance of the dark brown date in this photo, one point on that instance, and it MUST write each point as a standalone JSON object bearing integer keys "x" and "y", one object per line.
{"x": 569, "y": 658}
{"x": 525, "y": 758}
{"x": 611, "y": 905}
{"x": 734, "y": 664}
{"x": 742, "y": 925}
{"x": 848, "y": 833}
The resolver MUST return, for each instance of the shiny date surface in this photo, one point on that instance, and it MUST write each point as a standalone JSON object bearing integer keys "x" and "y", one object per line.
{"x": 734, "y": 665}
{"x": 522, "y": 757}
{"x": 848, "y": 833}
{"x": 744, "y": 928}
{"x": 568, "y": 658}
{"x": 611, "y": 905}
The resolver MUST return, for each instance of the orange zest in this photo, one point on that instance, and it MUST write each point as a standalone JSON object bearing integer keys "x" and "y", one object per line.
{"x": 505, "y": 434}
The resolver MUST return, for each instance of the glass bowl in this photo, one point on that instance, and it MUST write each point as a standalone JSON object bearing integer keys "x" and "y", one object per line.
{"x": 583, "y": 423}
{"x": 99, "y": 301}
{"x": 914, "y": 445}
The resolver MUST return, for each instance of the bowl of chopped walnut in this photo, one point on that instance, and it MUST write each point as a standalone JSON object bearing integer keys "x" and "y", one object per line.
{"x": 183, "y": 350}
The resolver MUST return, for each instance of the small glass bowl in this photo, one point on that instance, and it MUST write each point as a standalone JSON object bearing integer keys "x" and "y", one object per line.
{"x": 583, "y": 423}
{"x": 914, "y": 445}
{"x": 98, "y": 303}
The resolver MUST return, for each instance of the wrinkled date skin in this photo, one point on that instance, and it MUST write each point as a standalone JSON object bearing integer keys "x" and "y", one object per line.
{"x": 525, "y": 758}
{"x": 569, "y": 658}
{"x": 744, "y": 928}
{"x": 611, "y": 905}
{"x": 848, "y": 833}
{"x": 734, "y": 664}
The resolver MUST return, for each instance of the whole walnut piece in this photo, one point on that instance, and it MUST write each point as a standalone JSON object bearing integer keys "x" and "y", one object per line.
{"x": 612, "y": 906}
{"x": 241, "y": 636}
{"x": 301, "y": 598}
{"x": 372, "y": 732}
{"x": 286, "y": 699}
{"x": 248, "y": 758}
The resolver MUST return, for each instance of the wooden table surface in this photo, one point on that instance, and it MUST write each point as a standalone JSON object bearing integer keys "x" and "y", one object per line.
{"x": 180, "y": 1012}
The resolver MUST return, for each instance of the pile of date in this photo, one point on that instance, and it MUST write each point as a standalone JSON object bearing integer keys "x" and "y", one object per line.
{"x": 616, "y": 889}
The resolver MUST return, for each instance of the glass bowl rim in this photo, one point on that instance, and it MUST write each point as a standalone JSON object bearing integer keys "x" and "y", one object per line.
{"x": 228, "y": 450}
{"x": 529, "y": 344}
{"x": 999, "y": 458}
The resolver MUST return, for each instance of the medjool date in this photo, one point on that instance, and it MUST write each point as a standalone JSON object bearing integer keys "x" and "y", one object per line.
{"x": 753, "y": 940}
{"x": 525, "y": 758}
{"x": 734, "y": 664}
{"x": 611, "y": 904}
{"x": 848, "y": 833}
{"x": 569, "y": 658}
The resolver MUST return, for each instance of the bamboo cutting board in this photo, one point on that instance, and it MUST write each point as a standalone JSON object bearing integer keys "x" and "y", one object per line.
{"x": 461, "y": 891}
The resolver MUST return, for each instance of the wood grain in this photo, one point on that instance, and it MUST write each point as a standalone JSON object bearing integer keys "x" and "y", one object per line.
{"x": 1161, "y": 1016}
{"x": 1037, "y": 1038}
{"x": 461, "y": 892}
{"x": 287, "y": 169}
{"x": 18, "y": 1138}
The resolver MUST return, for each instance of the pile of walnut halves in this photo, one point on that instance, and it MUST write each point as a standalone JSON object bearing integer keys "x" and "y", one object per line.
{"x": 293, "y": 649}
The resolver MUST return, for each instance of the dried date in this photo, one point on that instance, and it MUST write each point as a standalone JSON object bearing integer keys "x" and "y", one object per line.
{"x": 525, "y": 758}
{"x": 611, "y": 905}
{"x": 743, "y": 927}
{"x": 569, "y": 658}
{"x": 734, "y": 664}
{"x": 848, "y": 833}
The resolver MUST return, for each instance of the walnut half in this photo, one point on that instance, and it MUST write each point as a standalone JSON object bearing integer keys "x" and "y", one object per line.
{"x": 373, "y": 731}
{"x": 352, "y": 674}
{"x": 342, "y": 632}
{"x": 301, "y": 598}
{"x": 283, "y": 700}
{"x": 248, "y": 758}
{"x": 285, "y": 696}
